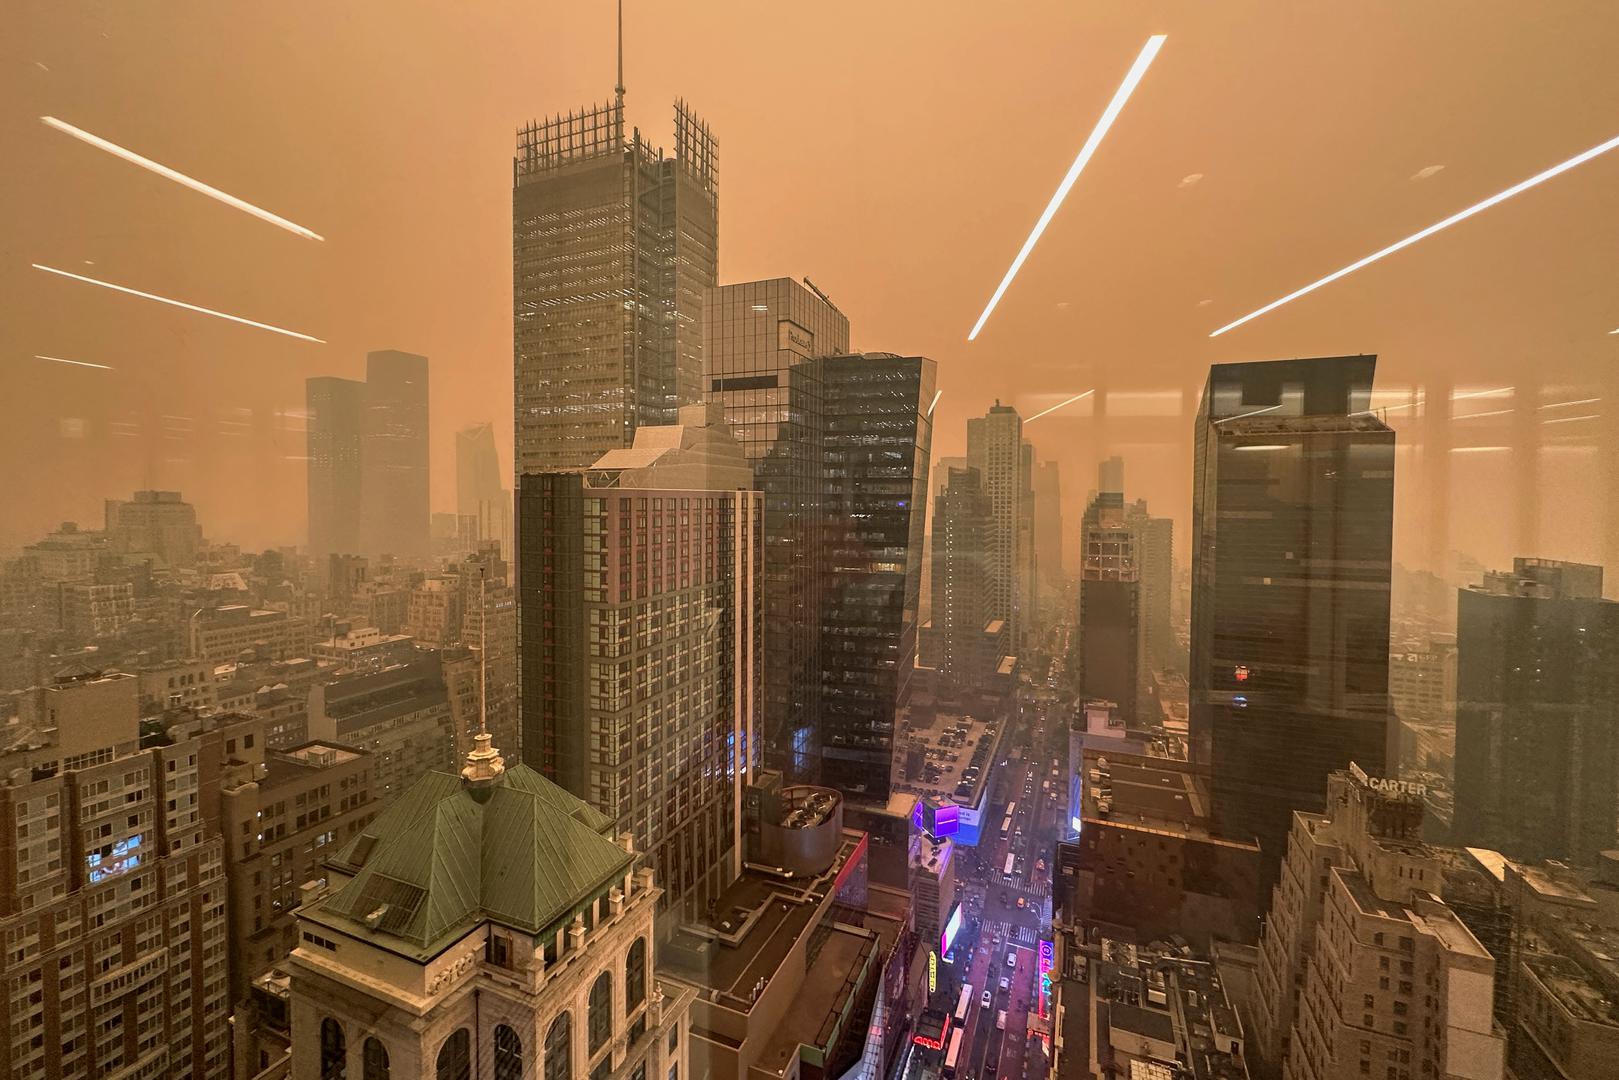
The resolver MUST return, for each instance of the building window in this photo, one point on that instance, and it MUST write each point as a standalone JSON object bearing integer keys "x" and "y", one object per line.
{"x": 601, "y": 1011}
{"x": 635, "y": 976}
{"x": 508, "y": 1054}
{"x": 559, "y": 1049}
{"x": 332, "y": 1050}
{"x": 376, "y": 1059}
{"x": 455, "y": 1057}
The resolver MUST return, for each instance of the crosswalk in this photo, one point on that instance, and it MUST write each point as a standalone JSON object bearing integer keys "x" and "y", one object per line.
{"x": 1000, "y": 930}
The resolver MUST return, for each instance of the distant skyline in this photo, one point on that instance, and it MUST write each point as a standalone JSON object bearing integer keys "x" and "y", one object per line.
{"x": 1211, "y": 196}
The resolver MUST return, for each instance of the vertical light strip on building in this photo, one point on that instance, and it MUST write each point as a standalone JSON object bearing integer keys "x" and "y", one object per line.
{"x": 1110, "y": 114}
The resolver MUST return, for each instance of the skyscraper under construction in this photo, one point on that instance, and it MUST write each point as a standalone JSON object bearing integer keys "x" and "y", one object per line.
{"x": 613, "y": 243}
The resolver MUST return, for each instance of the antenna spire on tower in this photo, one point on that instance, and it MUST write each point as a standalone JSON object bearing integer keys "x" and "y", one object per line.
{"x": 484, "y": 763}
{"x": 619, "y": 89}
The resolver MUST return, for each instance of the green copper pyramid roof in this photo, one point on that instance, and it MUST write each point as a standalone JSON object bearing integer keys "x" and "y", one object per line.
{"x": 520, "y": 851}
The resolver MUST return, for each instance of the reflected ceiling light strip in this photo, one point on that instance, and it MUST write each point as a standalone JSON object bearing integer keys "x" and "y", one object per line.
{"x": 1492, "y": 412}
{"x": 177, "y": 303}
{"x": 1057, "y": 406}
{"x": 1244, "y": 416}
{"x": 1110, "y": 114}
{"x": 1462, "y": 215}
{"x": 75, "y": 363}
{"x": 1615, "y": 330}
{"x": 935, "y": 401}
{"x": 1477, "y": 449}
{"x": 178, "y": 177}
{"x": 1571, "y": 419}
{"x": 1497, "y": 392}
{"x": 1565, "y": 404}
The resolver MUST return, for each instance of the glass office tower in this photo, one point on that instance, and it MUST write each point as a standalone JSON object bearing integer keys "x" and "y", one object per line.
{"x": 1292, "y": 522}
{"x": 876, "y": 447}
{"x": 613, "y": 244}
{"x": 757, "y": 339}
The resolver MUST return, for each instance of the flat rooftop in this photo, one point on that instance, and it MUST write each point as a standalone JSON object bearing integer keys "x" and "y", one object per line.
{"x": 954, "y": 743}
{"x": 1159, "y": 795}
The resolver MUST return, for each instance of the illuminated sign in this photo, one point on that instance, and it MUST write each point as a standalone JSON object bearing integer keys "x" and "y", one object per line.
{"x": 933, "y": 972}
{"x": 1386, "y": 786}
{"x": 1048, "y": 959}
{"x": 952, "y": 927}
{"x": 1241, "y": 673}
{"x": 946, "y": 821}
{"x": 916, "y": 815}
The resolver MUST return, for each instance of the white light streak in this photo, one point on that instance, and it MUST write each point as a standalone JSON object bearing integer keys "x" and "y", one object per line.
{"x": 1615, "y": 330}
{"x": 1571, "y": 419}
{"x": 1492, "y": 412}
{"x": 75, "y": 363}
{"x": 1461, "y": 215}
{"x": 1110, "y": 114}
{"x": 178, "y": 177}
{"x": 1262, "y": 446}
{"x": 1256, "y": 412}
{"x": 1499, "y": 391}
{"x": 177, "y": 303}
{"x": 1565, "y": 404}
{"x": 1478, "y": 449}
{"x": 1057, "y": 406}
{"x": 937, "y": 395}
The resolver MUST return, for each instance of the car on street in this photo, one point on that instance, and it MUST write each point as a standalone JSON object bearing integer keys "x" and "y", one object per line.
{"x": 988, "y": 998}
{"x": 1022, "y": 902}
{"x": 1011, "y": 961}
{"x": 1005, "y": 983}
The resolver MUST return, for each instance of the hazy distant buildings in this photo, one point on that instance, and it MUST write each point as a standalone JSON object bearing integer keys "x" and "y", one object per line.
{"x": 1155, "y": 559}
{"x": 336, "y": 433}
{"x": 639, "y": 643}
{"x": 1363, "y": 969}
{"x": 480, "y": 489}
{"x": 758, "y": 337}
{"x": 157, "y": 523}
{"x": 1050, "y": 569}
{"x": 1537, "y": 713}
{"x": 394, "y": 515}
{"x": 613, "y": 244}
{"x": 1291, "y": 531}
{"x": 401, "y": 715}
{"x": 219, "y": 635}
{"x": 995, "y": 447}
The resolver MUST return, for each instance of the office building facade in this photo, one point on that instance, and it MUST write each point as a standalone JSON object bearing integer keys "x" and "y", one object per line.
{"x": 1110, "y": 613}
{"x": 1537, "y": 713}
{"x": 876, "y": 448}
{"x": 758, "y": 337}
{"x": 639, "y": 644}
{"x": 960, "y": 572}
{"x": 613, "y": 245}
{"x": 1292, "y": 522}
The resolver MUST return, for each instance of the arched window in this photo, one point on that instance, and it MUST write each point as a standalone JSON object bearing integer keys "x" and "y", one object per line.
{"x": 635, "y": 976}
{"x": 559, "y": 1049}
{"x": 376, "y": 1059}
{"x": 333, "y": 1050}
{"x": 601, "y": 1011}
{"x": 455, "y": 1057}
{"x": 508, "y": 1054}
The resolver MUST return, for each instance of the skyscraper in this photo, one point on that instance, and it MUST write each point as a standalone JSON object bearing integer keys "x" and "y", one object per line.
{"x": 877, "y": 445}
{"x": 638, "y": 644}
{"x": 1110, "y": 610}
{"x": 1537, "y": 713}
{"x": 757, "y": 339}
{"x": 960, "y": 572}
{"x": 1155, "y": 561}
{"x": 156, "y": 523}
{"x": 335, "y": 432}
{"x": 1292, "y": 521}
{"x": 480, "y": 487}
{"x": 394, "y": 516}
{"x": 1048, "y": 535}
{"x": 613, "y": 244}
{"x": 996, "y": 449}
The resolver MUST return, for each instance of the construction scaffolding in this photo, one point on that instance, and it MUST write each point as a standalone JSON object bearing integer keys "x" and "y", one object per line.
{"x": 550, "y": 144}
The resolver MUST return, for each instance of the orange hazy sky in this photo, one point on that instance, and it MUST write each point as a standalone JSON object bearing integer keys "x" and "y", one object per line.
{"x": 896, "y": 152}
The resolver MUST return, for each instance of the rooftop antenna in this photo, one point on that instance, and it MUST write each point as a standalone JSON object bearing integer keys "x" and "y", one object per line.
{"x": 619, "y": 89}
{"x": 484, "y": 763}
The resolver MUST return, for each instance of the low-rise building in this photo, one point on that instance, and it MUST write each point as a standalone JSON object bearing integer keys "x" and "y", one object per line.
{"x": 400, "y": 715}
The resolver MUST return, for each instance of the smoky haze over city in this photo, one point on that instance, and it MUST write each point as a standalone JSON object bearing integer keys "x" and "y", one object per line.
{"x": 837, "y": 542}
